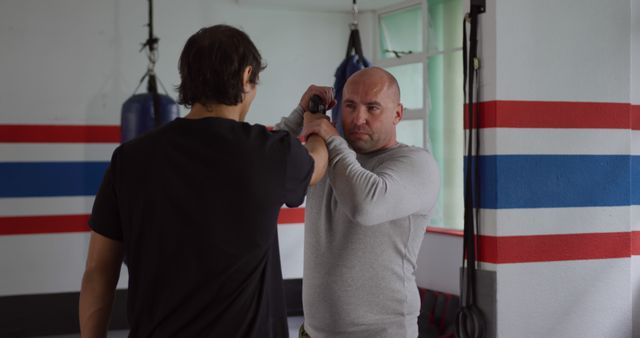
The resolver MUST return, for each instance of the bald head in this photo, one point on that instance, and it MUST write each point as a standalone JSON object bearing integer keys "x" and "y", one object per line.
{"x": 378, "y": 77}
{"x": 371, "y": 110}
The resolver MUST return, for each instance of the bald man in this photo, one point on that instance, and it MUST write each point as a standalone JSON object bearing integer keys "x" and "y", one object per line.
{"x": 365, "y": 220}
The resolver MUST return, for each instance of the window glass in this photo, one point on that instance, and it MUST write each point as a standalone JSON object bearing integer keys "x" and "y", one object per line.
{"x": 411, "y": 132}
{"x": 445, "y": 25}
{"x": 441, "y": 68}
{"x": 401, "y": 31}
{"x": 445, "y": 111}
{"x": 410, "y": 79}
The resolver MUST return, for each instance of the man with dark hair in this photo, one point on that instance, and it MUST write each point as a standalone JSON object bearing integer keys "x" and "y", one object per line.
{"x": 365, "y": 220}
{"x": 193, "y": 206}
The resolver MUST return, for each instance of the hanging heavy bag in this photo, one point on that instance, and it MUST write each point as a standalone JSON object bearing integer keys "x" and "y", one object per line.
{"x": 143, "y": 112}
{"x": 139, "y": 116}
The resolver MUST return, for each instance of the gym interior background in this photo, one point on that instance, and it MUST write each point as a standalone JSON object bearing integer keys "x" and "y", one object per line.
{"x": 560, "y": 96}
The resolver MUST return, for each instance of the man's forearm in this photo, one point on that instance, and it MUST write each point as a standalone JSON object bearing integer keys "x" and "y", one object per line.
{"x": 96, "y": 301}
{"x": 318, "y": 150}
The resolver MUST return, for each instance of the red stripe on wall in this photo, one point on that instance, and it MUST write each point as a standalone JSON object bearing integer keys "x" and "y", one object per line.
{"x": 28, "y": 225}
{"x": 557, "y": 114}
{"x": 549, "y": 248}
{"x": 635, "y": 117}
{"x": 43, "y": 224}
{"x": 635, "y": 243}
{"x": 291, "y": 216}
{"x": 59, "y": 134}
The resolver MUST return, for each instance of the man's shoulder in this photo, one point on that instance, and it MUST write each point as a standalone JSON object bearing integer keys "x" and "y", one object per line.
{"x": 407, "y": 152}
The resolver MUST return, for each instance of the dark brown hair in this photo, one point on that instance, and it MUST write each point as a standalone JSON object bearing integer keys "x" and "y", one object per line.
{"x": 212, "y": 64}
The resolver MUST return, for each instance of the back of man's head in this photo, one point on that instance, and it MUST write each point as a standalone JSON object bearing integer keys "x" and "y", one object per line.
{"x": 212, "y": 63}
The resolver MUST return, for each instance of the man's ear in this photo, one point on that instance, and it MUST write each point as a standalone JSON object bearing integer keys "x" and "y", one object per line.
{"x": 398, "y": 114}
{"x": 246, "y": 76}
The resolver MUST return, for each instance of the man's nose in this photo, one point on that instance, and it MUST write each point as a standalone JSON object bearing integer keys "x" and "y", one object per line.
{"x": 360, "y": 116}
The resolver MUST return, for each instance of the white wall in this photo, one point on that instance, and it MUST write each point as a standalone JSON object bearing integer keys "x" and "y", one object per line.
{"x": 439, "y": 262}
{"x": 563, "y": 50}
{"x": 635, "y": 100}
{"x": 76, "y": 61}
{"x": 571, "y": 51}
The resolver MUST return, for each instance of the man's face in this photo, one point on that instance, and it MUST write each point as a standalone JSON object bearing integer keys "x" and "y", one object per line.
{"x": 370, "y": 114}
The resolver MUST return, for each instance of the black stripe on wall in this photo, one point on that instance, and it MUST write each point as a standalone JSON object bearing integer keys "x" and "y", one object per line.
{"x": 57, "y": 313}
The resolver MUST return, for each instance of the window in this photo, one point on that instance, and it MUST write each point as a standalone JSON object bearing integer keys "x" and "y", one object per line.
{"x": 420, "y": 43}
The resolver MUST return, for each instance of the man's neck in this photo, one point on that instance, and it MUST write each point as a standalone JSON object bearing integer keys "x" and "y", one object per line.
{"x": 199, "y": 111}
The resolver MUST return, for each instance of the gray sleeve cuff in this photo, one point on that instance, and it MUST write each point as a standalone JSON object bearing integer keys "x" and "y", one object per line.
{"x": 292, "y": 123}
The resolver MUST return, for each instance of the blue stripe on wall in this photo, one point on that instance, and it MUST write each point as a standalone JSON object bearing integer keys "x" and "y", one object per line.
{"x": 548, "y": 181}
{"x": 635, "y": 180}
{"x": 33, "y": 179}
{"x": 508, "y": 181}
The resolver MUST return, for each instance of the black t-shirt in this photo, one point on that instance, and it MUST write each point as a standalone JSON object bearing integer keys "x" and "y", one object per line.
{"x": 196, "y": 204}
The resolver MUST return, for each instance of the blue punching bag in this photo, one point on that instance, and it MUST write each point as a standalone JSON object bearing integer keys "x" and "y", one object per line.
{"x": 143, "y": 112}
{"x": 138, "y": 114}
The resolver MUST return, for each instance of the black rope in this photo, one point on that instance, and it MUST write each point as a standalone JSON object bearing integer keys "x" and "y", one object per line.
{"x": 470, "y": 321}
{"x": 152, "y": 84}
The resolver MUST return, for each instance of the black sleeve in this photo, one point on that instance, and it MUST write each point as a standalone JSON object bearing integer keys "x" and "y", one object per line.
{"x": 105, "y": 216}
{"x": 298, "y": 173}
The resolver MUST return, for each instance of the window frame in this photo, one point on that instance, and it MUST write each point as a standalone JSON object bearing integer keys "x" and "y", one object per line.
{"x": 424, "y": 57}
{"x": 413, "y": 58}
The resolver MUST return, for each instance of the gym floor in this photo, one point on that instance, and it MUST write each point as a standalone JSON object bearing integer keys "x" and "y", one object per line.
{"x": 294, "y": 325}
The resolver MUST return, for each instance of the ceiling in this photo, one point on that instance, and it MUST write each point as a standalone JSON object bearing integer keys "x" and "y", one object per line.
{"x": 322, "y": 5}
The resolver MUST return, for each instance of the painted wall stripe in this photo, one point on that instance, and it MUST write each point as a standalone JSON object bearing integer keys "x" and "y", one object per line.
{"x": 23, "y": 225}
{"x": 553, "y": 221}
{"x": 546, "y": 141}
{"x": 50, "y": 178}
{"x": 555, "y": 114}
{"x": 43, "y": 224}
{"x": 521, "y": 181}
{"x": 634, "y": 174}
{"x": 635, "y": 243}
{"x": 552, "y": 181}
{"x": 59, "y": 134}
{"x": 56, "y": 152}
{"x": 549, "y": 248}
{"x": 635, "y": 117}
{"x": 48, "y": 206}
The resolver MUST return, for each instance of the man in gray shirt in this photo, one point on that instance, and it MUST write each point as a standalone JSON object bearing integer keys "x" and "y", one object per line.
{"x": 365, "y": 220}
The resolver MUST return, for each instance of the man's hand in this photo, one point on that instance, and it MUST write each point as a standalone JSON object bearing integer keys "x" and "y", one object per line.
{"x": 326, "y": 93}
{"x": 318, "y": 124}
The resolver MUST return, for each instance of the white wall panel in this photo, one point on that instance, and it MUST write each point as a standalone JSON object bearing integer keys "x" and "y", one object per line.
{"x": 439, "y": 263}
{"x": 563, "y": 50}
{"x": 635, "y": 52}
{"x": 586, "y": 299}
{"x": 549, "y": 221}
{"x": 556, "y": 141}
{"x": 635, "y": 294}
{"x": 34, "y": 264}
{"x": 77, "y": 61}
{"x": 291, "y": 238}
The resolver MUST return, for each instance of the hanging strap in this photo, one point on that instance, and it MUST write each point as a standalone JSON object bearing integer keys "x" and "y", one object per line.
{"x": 470, "y": 320}
{"x": 354, "y": 43}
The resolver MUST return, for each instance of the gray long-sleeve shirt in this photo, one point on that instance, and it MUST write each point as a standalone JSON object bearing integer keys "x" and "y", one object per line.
{"x": 364, "y": 224}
